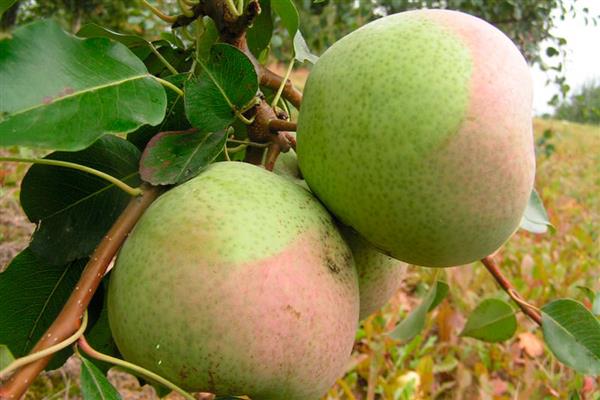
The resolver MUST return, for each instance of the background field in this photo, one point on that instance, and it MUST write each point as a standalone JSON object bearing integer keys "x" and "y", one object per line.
{"x": 439, "y": 363}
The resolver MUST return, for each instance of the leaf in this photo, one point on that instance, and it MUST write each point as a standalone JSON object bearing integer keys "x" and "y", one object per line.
{"x": 301, "y": 51}
{"x": 288, "y": 13}
{"x": 105, "y": 89}
{"x": 259, "y": 34}
{"x": 32, "y": 294}
{"x": 228, "y": 82}
{"x": 208, "y": 38}
{"x": 596, "y": 304}
{"x": 589, "y": 293}
{"x": 99, "y": 336}
{"x": 493, "y": 320}
{"x": 535, "y": 219}
{"x": 179, "y": 59}
{"x": 172, "y": 39}
{"x": 551, "y": 52}
{"x": 174, "y": 157}
{"x": 5, "y": 5}
{"x": 175, "y": 119}
{"x": 415, "y": 321}
{"x": 573, "y": 334}
{"x": 74, "y": 209}
{"x": 6, "y": 357}
{"x": 92, "y": 30}
{"x": 94, "y": 385}
{"x": 440, "y": 294}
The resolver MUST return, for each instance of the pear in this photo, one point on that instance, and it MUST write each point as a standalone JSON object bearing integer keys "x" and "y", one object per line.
{"x": 237, "y": 282}
{"x": 416, "y": 131}
{"x": 379, "y": 276}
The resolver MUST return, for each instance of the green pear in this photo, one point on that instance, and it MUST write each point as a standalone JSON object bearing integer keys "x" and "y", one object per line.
{"x": 237, "y": 282}
{"x": 379, "y": 276}
{"x": 416, "y": 131}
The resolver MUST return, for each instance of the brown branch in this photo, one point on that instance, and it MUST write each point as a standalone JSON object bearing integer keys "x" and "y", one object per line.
{"x": 68, "y": 320}
{"x": 271, "y": 80}
{"x": 271, "y": 157}
{"x": 282, "y": 125}
{"x": 529, "y": 310}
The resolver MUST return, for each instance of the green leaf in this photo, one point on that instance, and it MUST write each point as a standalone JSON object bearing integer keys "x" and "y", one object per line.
{"x": 208, "y": 39}
{"x": 573, "y": 335}
{"x": 228, "y": 82}
{"x": 92, "y": 30}
{"x": 288, "y": 13}
{"x": 589, "y": 293}
{"x": 493, "y": 320}
{"x": 413, "y": 324}
{"x": 301, "y": 50}
{"x": 535, "y": 219}
{"x": 174, "y": 157}
{"x": 32, "y": 294}
{"x": 99, "y": 336}
{"x": 6, "y": 357}
{"x": 259, "y": 34}
{"x": 440, "y": 294}
{"x": 105, "y": 89}
{"x": 5, "y": 5}
{"x": 551, "y": 52}
{"x": 172, "y": 39}
{"x": 596, "y": 304}
{"x": 175, "y": 119}
{"x": 179, "y": 59}
{"x": 74, "y": 209}
{"x": 94, "y": 385}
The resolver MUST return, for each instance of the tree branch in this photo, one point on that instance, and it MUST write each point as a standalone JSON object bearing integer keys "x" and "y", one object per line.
{"x": 282, "y": 125}
{"x": 69, "y": 318}
{"x": 271, "y": 80}
{"x": 529, "y": 310}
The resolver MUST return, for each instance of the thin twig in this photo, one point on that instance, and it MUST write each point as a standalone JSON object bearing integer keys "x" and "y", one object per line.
{"x": 271, "y": 80}
{"x": 529, "y": 310}
{"x": 167, "y": 18}
{"x": 90, "y": 351}
{"x": 19, "y": 362}
{"x": 169, "y": 85}
{"x": 248, "y": 143}
{"x": 65, "y": 164}
{"x": 282, "y": 85}
{"x": 163, "y": 60}
{"x": 67, "y": 321}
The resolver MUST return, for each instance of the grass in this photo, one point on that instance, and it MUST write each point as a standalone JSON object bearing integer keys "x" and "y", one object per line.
{"x": 439, "y": 363}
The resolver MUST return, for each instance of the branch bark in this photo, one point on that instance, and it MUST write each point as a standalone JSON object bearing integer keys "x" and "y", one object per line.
{"x": 69, "y": 318}
{"x": 529, "y": 310}
{"x": 271, "y": 80}
{"x": 282, "y": 125}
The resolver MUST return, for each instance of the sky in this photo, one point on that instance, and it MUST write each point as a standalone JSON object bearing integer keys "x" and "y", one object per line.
{"x": 583, "y": 55}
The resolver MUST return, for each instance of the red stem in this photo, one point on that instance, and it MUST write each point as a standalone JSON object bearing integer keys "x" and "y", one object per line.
{"x": 68, "y": 320}
{"x": 527, "y": 308}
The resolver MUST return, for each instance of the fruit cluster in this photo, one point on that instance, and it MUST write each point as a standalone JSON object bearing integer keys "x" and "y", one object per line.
{"x": 415, "y": 132}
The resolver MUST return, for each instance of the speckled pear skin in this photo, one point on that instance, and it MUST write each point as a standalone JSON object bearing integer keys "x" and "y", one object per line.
{"x": 379, "y": 276}
{"x": 237, "y": 282}
{"x": 416, "y": 131}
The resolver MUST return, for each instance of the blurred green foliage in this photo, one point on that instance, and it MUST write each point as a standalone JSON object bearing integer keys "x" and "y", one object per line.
{"x": 583, "y": 105}
{"x": 526, "y": 22}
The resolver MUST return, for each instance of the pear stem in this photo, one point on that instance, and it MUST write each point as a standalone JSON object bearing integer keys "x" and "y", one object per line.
{"x": 68, "y": 321}
{"x": 530, "y": 310}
